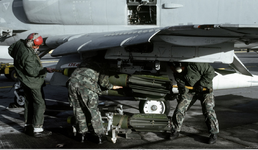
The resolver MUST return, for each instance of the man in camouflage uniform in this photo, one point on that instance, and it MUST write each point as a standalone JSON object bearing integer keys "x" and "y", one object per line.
{"x": 84, "y": 90}
{"x": 199, "y": 76}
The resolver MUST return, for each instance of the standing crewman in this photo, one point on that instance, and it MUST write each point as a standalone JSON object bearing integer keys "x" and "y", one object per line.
{"x": 84, "y": 90}
{"x": 198, "y": 76}
{"x": 31, "y": 74}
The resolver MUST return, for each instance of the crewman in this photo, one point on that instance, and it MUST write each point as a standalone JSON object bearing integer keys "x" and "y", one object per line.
{"x": 84, "y": 90}
{"x": 31, "y": 74}
{"x": 199, "y": 76}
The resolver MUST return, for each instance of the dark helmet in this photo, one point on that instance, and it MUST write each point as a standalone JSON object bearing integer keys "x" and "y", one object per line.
{"x": 34, "y": 39}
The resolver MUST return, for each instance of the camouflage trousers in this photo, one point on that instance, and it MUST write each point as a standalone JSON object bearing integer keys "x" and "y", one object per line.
{"x": 85, "y": 108}
{"x": 186, "y": 101}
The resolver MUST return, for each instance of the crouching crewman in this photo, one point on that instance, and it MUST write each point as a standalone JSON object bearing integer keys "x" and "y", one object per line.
{"x": 198, "y": 76}
{"x": 84, "y": 90}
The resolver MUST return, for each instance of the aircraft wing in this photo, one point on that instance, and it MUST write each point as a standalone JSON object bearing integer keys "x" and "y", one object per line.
{"x": 94, "y": 41}
{"x": 184, "y": 35}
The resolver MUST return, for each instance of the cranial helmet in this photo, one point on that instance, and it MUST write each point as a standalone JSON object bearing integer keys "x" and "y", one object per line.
{"x": 34, "y": 39}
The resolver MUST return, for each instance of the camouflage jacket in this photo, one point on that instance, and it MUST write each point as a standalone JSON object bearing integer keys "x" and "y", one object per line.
{"x": 89, "y": 78}
{"x": 27, "y": 65}
{"x": 196, "y": 73}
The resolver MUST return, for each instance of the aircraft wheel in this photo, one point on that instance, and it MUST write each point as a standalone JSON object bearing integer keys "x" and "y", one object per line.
{"x": 154, "y": 107}
{"x": 20, "y": 102}
{"x": 12, "y": 75}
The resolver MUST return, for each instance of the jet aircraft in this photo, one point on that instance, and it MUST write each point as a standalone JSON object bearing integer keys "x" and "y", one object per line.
{"x": 138, "y": 38}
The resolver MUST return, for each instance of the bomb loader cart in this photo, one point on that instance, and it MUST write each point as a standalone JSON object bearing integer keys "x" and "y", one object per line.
{"x": 8, "y": 70}
{"x": 117, "y": 123}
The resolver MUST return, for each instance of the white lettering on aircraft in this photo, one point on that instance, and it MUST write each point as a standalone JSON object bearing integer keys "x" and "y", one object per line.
{"x": 70, "y": 65}
{"x": 131, "y": 32}
{"x": 73, "y": 64}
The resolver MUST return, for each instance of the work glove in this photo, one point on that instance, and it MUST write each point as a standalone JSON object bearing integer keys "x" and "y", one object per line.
{"x": 198, "y": 88}
{"x": 181, "y": 87}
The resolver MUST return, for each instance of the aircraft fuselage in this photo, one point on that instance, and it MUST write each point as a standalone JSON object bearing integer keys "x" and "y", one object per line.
{"x": 62, "y": 17}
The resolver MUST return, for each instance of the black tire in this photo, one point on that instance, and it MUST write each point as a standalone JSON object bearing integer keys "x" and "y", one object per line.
{"x": 166, "y": 103}
{"x": 21, "y": 102}
{"x": 14, "y": 75}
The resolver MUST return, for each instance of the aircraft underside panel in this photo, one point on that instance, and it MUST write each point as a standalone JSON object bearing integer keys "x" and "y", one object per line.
{"x": 162, "y": 51}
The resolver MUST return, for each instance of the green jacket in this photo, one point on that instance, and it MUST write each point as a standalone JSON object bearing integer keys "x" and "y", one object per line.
{"x": 27, "y": 65}
{"x": 196, "y": 74}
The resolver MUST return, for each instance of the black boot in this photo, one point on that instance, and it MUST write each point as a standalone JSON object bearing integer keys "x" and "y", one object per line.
{"x": 42, "y": 134}
{"x": 29, "y": 130}
{"x": 174, "y": 135}
{"x": 213, "y": 138}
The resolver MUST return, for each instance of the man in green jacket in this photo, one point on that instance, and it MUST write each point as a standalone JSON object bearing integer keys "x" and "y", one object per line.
{"x": 31, "y": 74}
{"x": 199, "y": 76}
{"x": 84, "y": 90}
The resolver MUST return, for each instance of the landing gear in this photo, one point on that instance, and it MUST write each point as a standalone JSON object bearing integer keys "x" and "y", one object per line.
{"x": 154, "y": 107}
{"x": 19, "y": 99}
